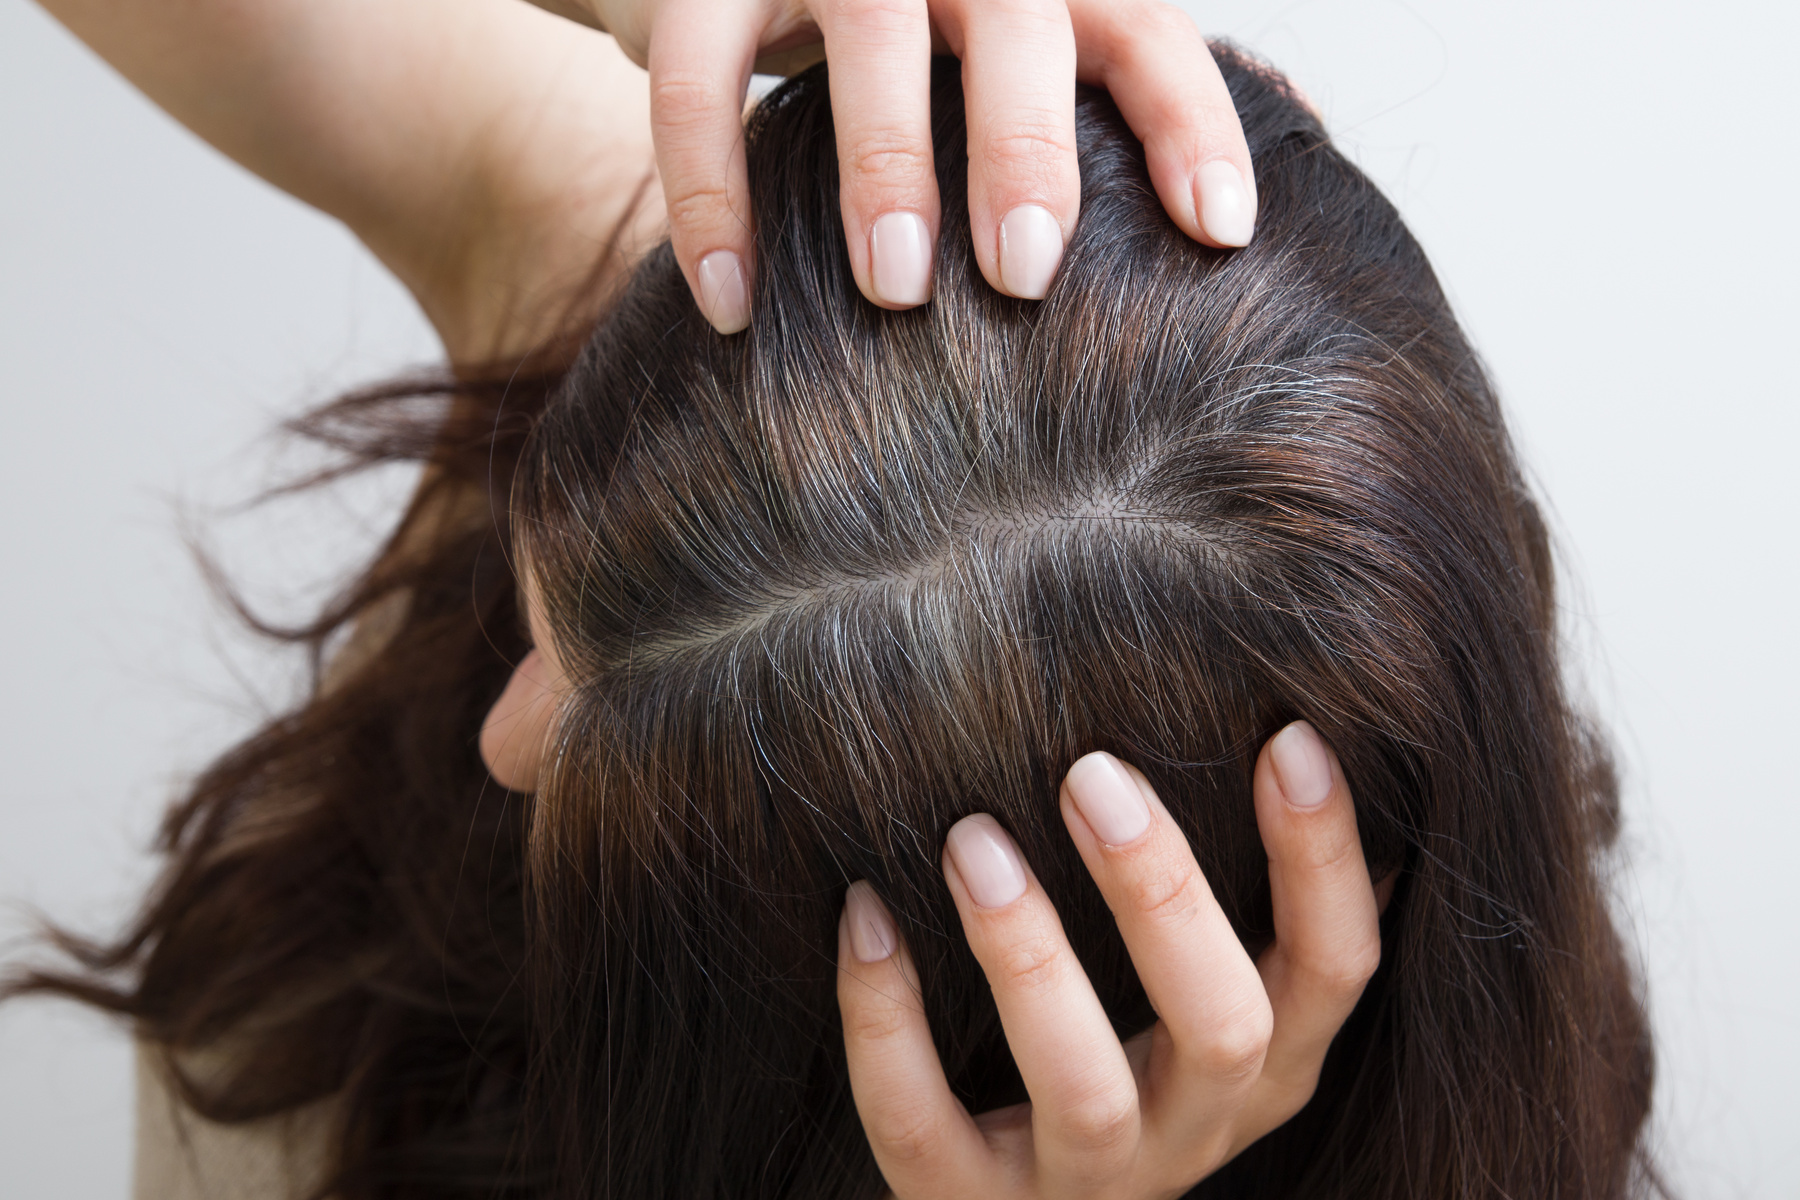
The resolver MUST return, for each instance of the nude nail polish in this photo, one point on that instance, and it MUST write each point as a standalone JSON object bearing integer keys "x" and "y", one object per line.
{"x": 1302, "y": 767}
{"x": 724, "y": 295}
{"x": 900, "y": 258}
{"x": 872, "y": 933}
{"x": 1031, "y": 248}
{"x": 1227, "y": 207}
{"x": 987, "y": 860}
{"x": 1108, "y": 799}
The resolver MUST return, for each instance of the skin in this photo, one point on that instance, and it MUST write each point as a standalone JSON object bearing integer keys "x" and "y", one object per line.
{"x": 1020, "y": 61}
{"x": 485, "y": 151}
{"x": 518, "y": 729}
{"x": 478, "y": 147}
{"x": 1239, "y": 1043}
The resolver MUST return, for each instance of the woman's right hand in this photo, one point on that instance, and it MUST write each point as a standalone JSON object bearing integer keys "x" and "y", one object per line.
{"x": 1238, "y": 1046}
{"x": 1021, "y": 61}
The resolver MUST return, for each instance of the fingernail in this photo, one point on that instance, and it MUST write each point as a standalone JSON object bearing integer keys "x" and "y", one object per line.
{"x": 872, "y": 933}
{"x": 723, "y": 296}
{"x": 900, "y": 258}
{"x": 987, "y": 861}
{"x": 1108, "y": 799}
{"x": 1031, "y": 248}
{"x": 1227, "y": 209}
{"x": 1302, "y": 768}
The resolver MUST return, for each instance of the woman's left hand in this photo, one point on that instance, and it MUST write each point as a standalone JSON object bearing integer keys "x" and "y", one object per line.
{"x": 1238, "y": 1046}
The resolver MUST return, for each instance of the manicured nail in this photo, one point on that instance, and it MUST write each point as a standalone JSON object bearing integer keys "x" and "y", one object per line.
{"x": 1227, "y": 209}
{"x": 723, "y": 296}
{"x": 900, "y": 258}
{"x": 872, "y": 933}
{"x": 1108, "y": 799}
{"x": 1031, "y": 248}
{"x": 987, "y": 861}
{"x": 1302, "y": 768}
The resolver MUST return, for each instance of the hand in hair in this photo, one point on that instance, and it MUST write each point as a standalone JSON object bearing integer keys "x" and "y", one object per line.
{"x": 1020, "y": 65}
{"x": 1238, "y": 1046}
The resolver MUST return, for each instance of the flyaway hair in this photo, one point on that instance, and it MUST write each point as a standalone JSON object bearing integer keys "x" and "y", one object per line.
{"x": 828, "y": 586}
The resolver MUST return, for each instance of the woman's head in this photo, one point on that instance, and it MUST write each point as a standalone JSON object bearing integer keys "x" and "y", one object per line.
{"x": 818, "y": 591}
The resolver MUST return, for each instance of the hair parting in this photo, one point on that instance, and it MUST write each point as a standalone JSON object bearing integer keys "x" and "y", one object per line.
{"x": 825, "y": 587}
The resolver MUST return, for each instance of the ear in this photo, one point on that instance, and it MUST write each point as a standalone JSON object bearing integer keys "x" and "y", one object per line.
{"x": 516, "y": 734}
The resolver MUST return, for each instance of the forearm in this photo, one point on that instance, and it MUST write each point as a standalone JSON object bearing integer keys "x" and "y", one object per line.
{"x": 479, "y": 147}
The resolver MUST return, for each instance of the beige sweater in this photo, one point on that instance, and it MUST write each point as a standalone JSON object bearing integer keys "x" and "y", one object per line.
{"x": 182, "y": 1156}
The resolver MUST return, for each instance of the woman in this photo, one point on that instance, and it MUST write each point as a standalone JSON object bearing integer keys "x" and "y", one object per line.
{"x": 227, "y": 860}
{"x": 802, "y": 604}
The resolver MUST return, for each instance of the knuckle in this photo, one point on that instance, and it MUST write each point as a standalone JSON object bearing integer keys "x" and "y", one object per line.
{"x": 910, "y": 1134}
{"x": 1195, "y": 139}
{"x": 877, "y": 1022}
{"x": 1165, "y": 22}
{"x": 888, "y": 156}
{"x": 1233, "y": 1050}
{"x": 1152, "y": 25}
{"x": 1025, "y": 18}
{"x": 1350, "y": 968}
{"x": 1330, "y": 846}
{"x": 1362, "y": 961}
{"x": 1031, "y": 964}
{"x": 1036, "y": 146}
{"x": 1099, "y": 1125}
{"x": 876, "y": 16}
{"x": 682, "y": 100}
{"x": 694, "y": 204}
{"x": 1195, "y": 129}
{"x": 1171, "y": 902}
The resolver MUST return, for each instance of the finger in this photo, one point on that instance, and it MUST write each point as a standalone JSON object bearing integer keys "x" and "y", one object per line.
{"x": 1019, "y": 94}
{"x": 880, "y": 53}
{"x": 924, "y": 1140}
{"x": 700, "y": 57}
{"x": 1215, "y": 1019}
{"x": 1327, "y": 930}
{"x": 1153, "y": 61}
{"x": 1084, "y": 1110}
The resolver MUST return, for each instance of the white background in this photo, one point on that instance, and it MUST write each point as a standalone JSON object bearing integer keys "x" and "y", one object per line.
{"x": 1608, "y": 190}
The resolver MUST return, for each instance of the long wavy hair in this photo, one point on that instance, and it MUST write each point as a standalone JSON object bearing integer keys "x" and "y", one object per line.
{"x": 826, "y": 587}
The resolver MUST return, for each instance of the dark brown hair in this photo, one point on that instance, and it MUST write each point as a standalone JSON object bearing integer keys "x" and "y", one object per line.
{"x": 830, "y": 585}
